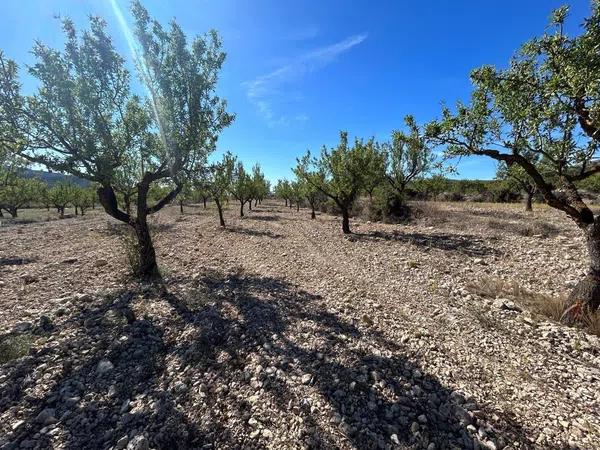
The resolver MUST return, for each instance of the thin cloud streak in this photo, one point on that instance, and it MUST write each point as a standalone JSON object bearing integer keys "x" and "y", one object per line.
{"x": 267, "y": 89}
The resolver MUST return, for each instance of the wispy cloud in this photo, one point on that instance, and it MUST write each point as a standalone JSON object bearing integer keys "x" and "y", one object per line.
{"x": 276, "y": 87}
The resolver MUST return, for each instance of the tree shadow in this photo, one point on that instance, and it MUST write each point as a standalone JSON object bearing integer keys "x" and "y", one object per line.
{"x": 232, "y": 360}
{"x": 264, "y": 218}
{"x": 15, "y": 261}
{"x": 465, "y": 244}
{"x": 256, "y": 233}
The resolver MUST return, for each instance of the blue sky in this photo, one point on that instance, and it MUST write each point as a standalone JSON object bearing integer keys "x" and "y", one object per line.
{"x": 297, "y": 72}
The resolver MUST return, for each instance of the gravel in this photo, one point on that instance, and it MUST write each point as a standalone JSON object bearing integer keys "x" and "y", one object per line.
{"x": 279, "y": 332}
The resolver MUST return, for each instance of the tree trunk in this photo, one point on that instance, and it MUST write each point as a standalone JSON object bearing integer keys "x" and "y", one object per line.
{"x": 1, "y": 215}
{"x": 148, "y": 268}
{"x": 286, "y": 202}
{"x": 220, "y": 209}
{"x": 181, "y": 207}
{"x": 255, "y": 202}
{"x": 297, "y": 206}
{"x": 127, "y": 201}
{"x": 250, "y": 204}
{"x": 345, "y": 220}
{"x": 585, "y": 296}
{"x": 13, "y": 212}
{"x": 61, "y": 212}
{"x": 204, "y": 201}
{"x": 241, "y": 208}
{"x": 312, "y": 211}
{"x": 528, "y": 201}
{"x": 76, "y": 211}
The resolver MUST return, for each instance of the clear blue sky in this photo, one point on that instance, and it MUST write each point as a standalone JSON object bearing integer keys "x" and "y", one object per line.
{"x": 297, "y": 72}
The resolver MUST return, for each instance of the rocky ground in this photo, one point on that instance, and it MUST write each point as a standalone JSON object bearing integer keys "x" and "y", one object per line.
{"x": 279, "y": 332}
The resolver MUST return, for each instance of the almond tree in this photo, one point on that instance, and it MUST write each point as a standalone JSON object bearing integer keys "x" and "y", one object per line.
{"x": 374, "y": 171}
{"x": 546, "y": 104}
{"x": 309, "y": 191}
{"x": 84, "y": 119}
{"x": 83, "y": 198}
{"x": 282, "y": 190}
{"x": 408, "y": 157}
{"x": 62, "y": 195}
{"x": 17, "y": 192}
{"x": 219, "y": 180}
{"x": 517, "y": 177}
{"x": 341, "y": 174}
{"x": 241, "y": 185}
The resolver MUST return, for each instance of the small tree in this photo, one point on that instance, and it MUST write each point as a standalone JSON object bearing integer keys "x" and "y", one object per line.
{"x": 83, "y": 198}
{"x": 241, "y": 185}
{"x": 374, "y": 171}
{"x": 85, "y": 121}
{"x": 543, "y": 106}
{"x": 408, "y": 158}
{"x": 61, "y": 195}
{"x": 309, "y": 191}
{"x": 341, "y": 174}
{"x": 282, "y": 190}
{"x": 518, "y": 178}
{"x": 17, "y": 192}
{"x": 296, "y": 193}
{"x": 260, "y": 185}
{"x": 200, "y": 191}
{"x": 220, "y": 179}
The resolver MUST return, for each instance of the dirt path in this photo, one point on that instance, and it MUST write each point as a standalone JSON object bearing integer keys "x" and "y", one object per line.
{"x": 279, "y": 332}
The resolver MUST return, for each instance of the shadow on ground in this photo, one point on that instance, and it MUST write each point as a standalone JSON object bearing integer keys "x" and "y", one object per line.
{"x": 228, "y": 361}
{"x": 464, "y": 244}
{"x": 257, "y": 233}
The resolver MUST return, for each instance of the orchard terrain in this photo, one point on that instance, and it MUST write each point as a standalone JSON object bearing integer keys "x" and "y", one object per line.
{"x": 280, "y": 332}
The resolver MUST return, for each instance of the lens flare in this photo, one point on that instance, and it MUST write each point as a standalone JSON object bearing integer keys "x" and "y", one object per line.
{"x": 142, "y": 67}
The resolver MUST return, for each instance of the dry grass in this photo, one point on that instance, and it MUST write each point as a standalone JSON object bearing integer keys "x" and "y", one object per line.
{"x": 13, "y": 347}
{"x": 541, "y": 304}
{"x": 524, "y": 228}
{"x": 547, "y": 306}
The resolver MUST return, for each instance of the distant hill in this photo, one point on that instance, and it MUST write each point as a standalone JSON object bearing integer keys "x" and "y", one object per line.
{"x": 51, "y": 178}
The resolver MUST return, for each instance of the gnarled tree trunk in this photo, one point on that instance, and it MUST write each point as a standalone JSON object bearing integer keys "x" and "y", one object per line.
{"x": 312, "y": 211}
{"x": 148, "y": 268}
{"x": 528, "y": 200}
{"x": 241, "y": 208}
{"x": 586, "y": 293}
{"x": 220, "y": 209}
{"x": 345, "y": 220}
{"x": 204, "y": 201}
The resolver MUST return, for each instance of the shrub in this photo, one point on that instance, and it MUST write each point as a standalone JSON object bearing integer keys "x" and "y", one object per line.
{"x": 13, "y": 347}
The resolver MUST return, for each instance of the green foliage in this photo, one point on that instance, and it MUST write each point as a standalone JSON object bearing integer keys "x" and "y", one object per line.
{"x": 220, "y": 177}
{"x": 241, "y": 186}
{"x": 408, "y": 157}
{"x": 13, "y": 347}
{"x": 84, "y": 119}
{"x": 283, "y": 189}
{"x": 338, "y": 173}
{"x": 17, "y": 192}
{"x": 259, "y": 186}
{"x": 61, "y": 195}
{"x": 83, "y": 198}
{"x": 541, "y": 114}
{"x": 374, "y": 171}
